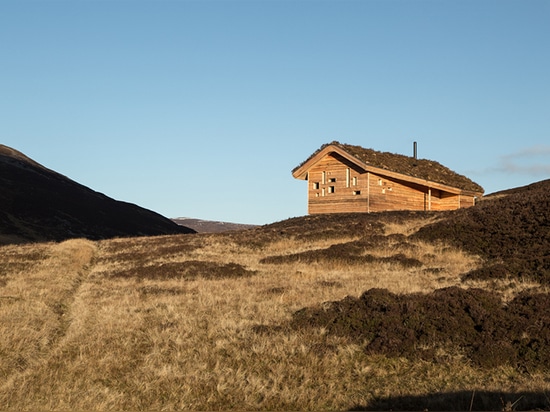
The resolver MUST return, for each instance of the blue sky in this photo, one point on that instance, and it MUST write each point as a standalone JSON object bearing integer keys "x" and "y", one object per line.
{"x": 203, "y": 108}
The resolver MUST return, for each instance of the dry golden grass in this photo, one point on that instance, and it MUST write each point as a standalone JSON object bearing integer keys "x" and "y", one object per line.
{"x": 75, "y": 335}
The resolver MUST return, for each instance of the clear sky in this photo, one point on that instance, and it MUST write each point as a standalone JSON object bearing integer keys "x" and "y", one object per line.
{"x": 202, "y": 108}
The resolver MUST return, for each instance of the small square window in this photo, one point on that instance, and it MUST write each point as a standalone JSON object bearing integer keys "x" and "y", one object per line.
{"x": 316, "y": 186}
{"x": 332, "y": 180}
{"x": 356, "y": 192}
{"x": 331, "y": 189}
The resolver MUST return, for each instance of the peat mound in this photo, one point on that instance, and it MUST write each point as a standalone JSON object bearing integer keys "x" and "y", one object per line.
{"x": 350, "y": 253}
{"x": 323, "y": 227}
{"x": 311, "y": 227}
{"x": 189, "y": 270}
{"x": 470, "y": 323}
{"x": 461, "y": 401}
{"x": 511, "y": 230}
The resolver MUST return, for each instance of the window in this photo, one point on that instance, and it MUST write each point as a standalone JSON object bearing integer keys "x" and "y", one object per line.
{"x": 355, "y": 181}
{"x": 332, "y": 180}
{"x": 356, "y": 192}
{"x": 316, "y": 186}
{"x": 323, "y": 191}
{"x": 324, "y": 178}
{"x": 347, "y": 177}
{"x": 331, "y": 189}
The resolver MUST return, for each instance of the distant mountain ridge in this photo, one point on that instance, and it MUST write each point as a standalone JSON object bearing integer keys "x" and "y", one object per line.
{"x": 39, "y": 204}
{"x": 210, "y": 226}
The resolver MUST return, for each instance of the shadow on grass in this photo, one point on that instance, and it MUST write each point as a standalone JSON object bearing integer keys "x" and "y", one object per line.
{"x": 461, "y": 401}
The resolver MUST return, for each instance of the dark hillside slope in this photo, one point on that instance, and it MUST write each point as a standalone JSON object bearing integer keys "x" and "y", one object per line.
{"x": 510, "y": 229}
{"x": 38, "y": 204}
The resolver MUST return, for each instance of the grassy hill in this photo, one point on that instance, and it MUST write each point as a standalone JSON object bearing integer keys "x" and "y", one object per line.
{"x": 399, "y": 310}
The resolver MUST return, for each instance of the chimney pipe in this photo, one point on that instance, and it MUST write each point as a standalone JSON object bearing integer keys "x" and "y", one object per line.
{"x": 414, "y": 150}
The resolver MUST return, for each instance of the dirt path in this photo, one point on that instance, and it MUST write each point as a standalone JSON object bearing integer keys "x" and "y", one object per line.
{"x": 34, "y": 322}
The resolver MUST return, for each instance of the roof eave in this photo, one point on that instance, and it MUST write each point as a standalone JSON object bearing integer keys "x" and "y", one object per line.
{"x": 302, "y": 171}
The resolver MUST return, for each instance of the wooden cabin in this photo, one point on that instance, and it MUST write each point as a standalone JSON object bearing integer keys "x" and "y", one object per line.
{"x": 346, "y": 178}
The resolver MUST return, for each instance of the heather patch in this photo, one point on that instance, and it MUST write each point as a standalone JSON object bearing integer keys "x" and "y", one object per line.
{"x": 189, "y": 270}
{"x": 471, "y": 323}
{"x": 512, "y": 232}
{"x": 350, "y": 253}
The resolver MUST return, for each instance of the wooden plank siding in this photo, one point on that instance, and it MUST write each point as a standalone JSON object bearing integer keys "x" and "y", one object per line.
{"x": 332, "y": 183}
{"x": 337, "y": 185}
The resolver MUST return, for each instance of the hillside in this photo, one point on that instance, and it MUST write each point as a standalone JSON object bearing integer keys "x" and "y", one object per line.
{"x": 384, "y": 311}
{"x": 38, "y": 204}
{"x": 510, "y": 229}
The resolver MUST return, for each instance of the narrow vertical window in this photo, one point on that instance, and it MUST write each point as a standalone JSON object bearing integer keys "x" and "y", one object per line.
{"x": 347, "y": 177}
{"x": 324, "y": 179}
{"x": 355, "y": 181}
{"x": 323, "y": 191}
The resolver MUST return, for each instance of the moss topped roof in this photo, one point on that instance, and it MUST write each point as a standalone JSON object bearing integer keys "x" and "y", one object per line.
{"x": 419, "y": 168}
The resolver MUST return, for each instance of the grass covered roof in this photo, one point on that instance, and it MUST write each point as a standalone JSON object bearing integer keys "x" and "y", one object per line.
{"x": 419, "y": 168}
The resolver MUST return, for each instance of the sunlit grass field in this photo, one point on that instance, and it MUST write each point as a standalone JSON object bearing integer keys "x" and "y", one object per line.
{"x": 200, "y": 322}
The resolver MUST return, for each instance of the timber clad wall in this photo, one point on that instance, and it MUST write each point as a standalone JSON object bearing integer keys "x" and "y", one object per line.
{"x": 332, "y": 183}
{"x": 338, "y": 184}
